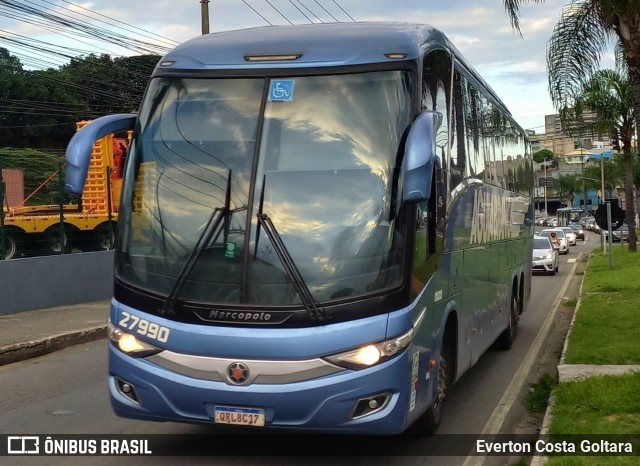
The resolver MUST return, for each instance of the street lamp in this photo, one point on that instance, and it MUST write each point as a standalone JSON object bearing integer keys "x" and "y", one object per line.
{"x": 602, "y": 176}
{"x": 546, "y": 214}
{"x": 602, "y": 181}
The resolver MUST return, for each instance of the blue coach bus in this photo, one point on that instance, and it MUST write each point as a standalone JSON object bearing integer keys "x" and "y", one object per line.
{"x": 322, "y": 227}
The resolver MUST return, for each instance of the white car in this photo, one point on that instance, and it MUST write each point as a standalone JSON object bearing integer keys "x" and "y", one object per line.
{"x": 571, "y": 235}
{"x": 563, "y": 246}
{"x": 545, "y": 257}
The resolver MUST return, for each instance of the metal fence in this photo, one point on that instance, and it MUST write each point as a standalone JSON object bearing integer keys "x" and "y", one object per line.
{"x": 38, "y": 217}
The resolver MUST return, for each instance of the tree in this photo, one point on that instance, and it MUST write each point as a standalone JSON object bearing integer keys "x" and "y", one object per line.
{"x": 542, "y": 154}
{"x": 582, "y": 36}
{"x": 579, "y": 40}
{"x": 608, "y": 94}
{"x": 566, "y": 186}
{"x": 613, "y": 171}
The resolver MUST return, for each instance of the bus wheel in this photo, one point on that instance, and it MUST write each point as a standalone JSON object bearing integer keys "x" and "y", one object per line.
{"x": 12, "y": 245}
{"x": 430, "y": 420}
{"x": 506, "y": 339}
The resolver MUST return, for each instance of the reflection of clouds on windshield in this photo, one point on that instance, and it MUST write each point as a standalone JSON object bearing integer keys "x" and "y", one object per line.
{"x": 324, "y": 214}
{"x": 358, "y": 111}
{"x": 187, "y": 200}
{"x": 203, "y": 134}
{"x": 338, "y": 143}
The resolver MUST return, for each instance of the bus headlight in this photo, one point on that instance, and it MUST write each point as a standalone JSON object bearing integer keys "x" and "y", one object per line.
{"x": 129, "y": 344}
{"x": 372, "y": 354}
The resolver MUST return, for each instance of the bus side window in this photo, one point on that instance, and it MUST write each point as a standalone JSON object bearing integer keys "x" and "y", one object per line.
{"x": 436, "y": 84}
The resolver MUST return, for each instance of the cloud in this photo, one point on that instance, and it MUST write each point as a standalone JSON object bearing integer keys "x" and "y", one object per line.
{"x": 515, "y": 66}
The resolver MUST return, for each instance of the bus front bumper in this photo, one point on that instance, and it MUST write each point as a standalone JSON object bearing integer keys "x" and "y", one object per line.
{"x": 330, "y": 404}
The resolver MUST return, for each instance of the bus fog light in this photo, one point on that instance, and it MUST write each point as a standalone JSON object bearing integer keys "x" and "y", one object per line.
{"x": 372, "y": 404}
{"x": 127, "y": 390}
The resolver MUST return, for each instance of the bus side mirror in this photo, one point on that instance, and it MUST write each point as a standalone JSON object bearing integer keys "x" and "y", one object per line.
{"x": 419, "y": 157}
{"x": 79, "y": 149}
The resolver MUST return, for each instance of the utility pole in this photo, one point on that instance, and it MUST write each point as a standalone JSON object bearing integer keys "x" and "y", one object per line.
{"x": 204, "y": 7}
{"x": 546, "y": 212}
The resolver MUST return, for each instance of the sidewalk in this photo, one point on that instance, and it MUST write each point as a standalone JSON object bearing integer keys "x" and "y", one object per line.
{"x": 26, "y": 335}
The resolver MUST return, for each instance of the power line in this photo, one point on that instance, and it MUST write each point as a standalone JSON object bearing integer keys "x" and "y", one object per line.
{"x": 301, "y": 12}
{"x": 279, "y": 12}
{"x": 326, "y": 11}
{"x": 168, "y": 40}
{"x": 256, "y": 12}
{"x": 307, "y": 8}
{"x": 344, "y": 11}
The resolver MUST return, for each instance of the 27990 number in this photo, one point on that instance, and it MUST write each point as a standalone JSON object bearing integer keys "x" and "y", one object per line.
{"x": 144, "y": 327}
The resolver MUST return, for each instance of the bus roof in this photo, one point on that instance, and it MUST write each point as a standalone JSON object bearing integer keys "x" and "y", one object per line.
{"x": 312, "y": 45}
{"x": 326, "y": 44}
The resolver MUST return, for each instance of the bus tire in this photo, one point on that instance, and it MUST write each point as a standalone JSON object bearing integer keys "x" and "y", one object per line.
{"x": 429, "y": 422}
{"x": 508, "y": 336}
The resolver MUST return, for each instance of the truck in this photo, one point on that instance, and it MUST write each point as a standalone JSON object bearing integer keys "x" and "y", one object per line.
{"x": 89, "y": 224}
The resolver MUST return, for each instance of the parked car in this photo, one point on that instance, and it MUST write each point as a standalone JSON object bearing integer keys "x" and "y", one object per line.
{"x": 571, "y": 236}
{"x": 619, "y": 235}
{"x": 544, "y": 256}
{"x": 563, "y": 246}
{"x": 578, "y": 230}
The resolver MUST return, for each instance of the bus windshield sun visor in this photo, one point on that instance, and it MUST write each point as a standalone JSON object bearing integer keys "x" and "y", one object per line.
{"x": 315, "y": 312}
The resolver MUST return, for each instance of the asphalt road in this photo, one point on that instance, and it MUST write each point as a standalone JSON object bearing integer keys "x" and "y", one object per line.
{"x": 66, "y": 393}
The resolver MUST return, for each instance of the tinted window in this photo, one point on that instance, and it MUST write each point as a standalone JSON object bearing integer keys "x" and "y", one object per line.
{"x": 541, "y": 243}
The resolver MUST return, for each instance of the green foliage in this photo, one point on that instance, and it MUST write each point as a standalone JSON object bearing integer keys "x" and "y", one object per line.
{"x": 567, "y": 186}
{"x": 543, "y": 154}
{"x": 607, "y": 325}
{"x": 41, "y": 108}
{"x": 598, "y": 405}
{"x": 540, "y": 392}
{"x": 37, "y": 166}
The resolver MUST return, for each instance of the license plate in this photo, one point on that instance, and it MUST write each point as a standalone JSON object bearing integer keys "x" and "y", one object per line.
{"x": 239, "y": 416}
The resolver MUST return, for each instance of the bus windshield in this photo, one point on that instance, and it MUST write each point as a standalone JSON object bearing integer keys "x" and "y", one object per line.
{"x": 318, "y": 155}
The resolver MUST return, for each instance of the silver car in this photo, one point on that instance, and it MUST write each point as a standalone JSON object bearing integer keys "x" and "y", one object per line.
{"x": 545, "y": 257}
{"x": 563, "y": 245}
{"x": 571, "y": 235}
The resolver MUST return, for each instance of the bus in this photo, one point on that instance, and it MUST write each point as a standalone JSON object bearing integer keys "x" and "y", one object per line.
{"x": 322, "y": 228}
{"x": 568, "y": 215}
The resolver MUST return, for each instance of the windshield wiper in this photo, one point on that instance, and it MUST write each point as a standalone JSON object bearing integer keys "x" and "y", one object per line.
{"x": 299, "y": 284}
{"x": 210, "y": 229}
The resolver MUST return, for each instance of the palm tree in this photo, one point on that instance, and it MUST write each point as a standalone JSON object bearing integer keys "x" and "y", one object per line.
{"x": 613, "y": 171}
{"x": 567, "y": 185}
{"x": 583, "y": 34}
{"x": 608, "y": 94}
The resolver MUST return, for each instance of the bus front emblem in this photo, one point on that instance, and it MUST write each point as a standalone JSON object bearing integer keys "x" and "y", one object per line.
{"x": 237, "y": 373}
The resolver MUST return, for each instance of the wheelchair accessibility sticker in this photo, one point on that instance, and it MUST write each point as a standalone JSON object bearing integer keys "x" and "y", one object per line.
{"x": 281, "y": 90}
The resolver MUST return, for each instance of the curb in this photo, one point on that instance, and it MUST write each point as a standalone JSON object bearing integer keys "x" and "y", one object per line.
{"x": 496, "y": 421}
{"x": 548, "y": 414}
{"x": 21, "y": 351}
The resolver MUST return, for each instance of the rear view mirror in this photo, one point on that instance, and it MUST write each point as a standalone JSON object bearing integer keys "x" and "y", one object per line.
{"x": 419, "y": 157}
{"x": 79, "y": 149}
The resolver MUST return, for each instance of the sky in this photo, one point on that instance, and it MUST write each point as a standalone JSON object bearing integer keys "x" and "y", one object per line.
{"x": 513, "y": 65}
